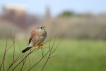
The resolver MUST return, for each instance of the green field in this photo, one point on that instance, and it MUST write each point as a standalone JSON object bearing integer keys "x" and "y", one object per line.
{"x": 72, "y": 55}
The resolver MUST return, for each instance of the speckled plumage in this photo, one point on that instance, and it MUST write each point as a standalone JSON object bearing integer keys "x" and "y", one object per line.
{"x": 37, "y": 38}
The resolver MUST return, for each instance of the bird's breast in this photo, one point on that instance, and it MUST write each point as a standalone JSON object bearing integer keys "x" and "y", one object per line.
{"x": 39, "y": 38}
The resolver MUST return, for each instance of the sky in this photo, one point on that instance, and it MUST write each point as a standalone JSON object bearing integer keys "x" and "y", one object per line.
{"x": 58, "y": 6}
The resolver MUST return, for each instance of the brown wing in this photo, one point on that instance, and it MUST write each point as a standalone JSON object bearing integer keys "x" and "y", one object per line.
{"x": 32, "y": 35}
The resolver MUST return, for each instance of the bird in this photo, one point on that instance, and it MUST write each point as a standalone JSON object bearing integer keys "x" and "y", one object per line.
{"x": 37, "y": 37}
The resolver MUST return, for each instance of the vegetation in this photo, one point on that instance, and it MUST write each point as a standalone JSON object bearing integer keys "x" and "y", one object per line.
{"x": 71, "y": 55}
{"x": 66, "y": 14}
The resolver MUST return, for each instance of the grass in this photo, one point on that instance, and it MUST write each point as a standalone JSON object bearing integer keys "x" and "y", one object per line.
{"x": 72, "y": 55}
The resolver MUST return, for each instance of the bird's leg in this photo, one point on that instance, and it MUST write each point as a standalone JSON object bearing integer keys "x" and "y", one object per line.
{"x": 37, "y": 47}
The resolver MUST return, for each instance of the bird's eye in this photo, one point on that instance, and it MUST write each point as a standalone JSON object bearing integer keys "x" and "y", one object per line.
{"x": 41, "y": 27}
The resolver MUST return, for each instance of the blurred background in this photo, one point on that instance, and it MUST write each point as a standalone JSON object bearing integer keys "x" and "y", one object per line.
{"x": 81, "y": 24}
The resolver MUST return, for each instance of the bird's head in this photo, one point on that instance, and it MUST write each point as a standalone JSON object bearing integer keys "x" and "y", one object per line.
{"x": 41, "y": 28}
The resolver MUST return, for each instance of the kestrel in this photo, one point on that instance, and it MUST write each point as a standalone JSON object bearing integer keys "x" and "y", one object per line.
{"x": 37, "y": 38}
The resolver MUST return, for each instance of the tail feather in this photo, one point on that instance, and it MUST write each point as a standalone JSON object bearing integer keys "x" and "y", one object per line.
{"x": 26, "y": 49}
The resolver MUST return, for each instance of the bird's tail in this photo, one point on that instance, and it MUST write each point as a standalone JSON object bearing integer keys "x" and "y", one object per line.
{"x": 26, "y": 49}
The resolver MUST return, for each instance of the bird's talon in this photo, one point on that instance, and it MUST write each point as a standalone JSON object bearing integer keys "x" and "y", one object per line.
{"x": 37, "y": 47}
